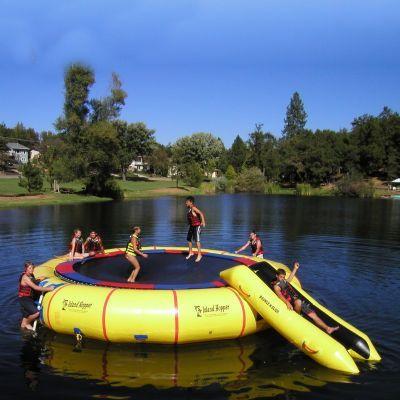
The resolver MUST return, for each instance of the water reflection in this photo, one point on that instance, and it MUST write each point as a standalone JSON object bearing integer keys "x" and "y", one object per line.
{"x": 245, "y": 368}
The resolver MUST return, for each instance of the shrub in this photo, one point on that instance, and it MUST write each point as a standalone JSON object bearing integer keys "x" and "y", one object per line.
{"x": 97, "y": 186}
{"x": 250, "y": 180}
{"x": 303, "y": 189}
{"x": 220, "y": 184}
{"x": 208, "y": 188}
{"x": 230, "y": 173}
{"x": 354, "y": 186}
{"x": 272, "y": 188}
{"x": 193, "y": 175}
{"x": 31, "y": 178}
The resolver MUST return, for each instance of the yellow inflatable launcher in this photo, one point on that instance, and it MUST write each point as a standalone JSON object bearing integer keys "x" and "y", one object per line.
{"x": 334, "y": 351}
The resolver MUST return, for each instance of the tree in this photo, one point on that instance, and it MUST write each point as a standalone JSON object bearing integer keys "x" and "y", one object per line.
{"x": 256, "y": 144}
{"x": 193, "y": 174}
{"x": 201, "y": 148}
{"x": 109, "y": 108}
{"x": 159, "y": 160}
{"x": 5, "y": 158}
{"x": 101, "y": 160}
{"x": 250, "y": 180}
{"x": 134, "y": 140}
{"x": 237, "y": 155}
{"x": 296, "y": 117}
{"x": 54, "y": 160}
{"x": 78, "y": 80}
{"x": 230, "y": 174}
{"x": 31, "y": 178}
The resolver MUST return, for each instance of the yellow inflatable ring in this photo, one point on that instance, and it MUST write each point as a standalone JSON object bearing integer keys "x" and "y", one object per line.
{"x": 93, "y": 299}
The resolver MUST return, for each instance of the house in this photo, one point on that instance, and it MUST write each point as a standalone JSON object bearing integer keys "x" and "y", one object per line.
{"x": 34, "y": 154}
{"x": 139, "y": 164}
{"x": 19, "y": 152}
{"x": 395, "y": 184}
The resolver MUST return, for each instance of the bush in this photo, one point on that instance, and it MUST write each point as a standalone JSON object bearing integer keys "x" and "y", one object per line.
{"x": 220, "y": 184}
{"x": 208, "y": 188}
{"x": 250, "y": 180}
{"x": 230, "y": 173}
{"x": 31, "y": 178}
{"x": 354, "y": 186}
{"x": 303, "y": 189}
{"x": 97, "y": 186}
{"x": 193, "y": 175}
{"x": 272, "y": 188}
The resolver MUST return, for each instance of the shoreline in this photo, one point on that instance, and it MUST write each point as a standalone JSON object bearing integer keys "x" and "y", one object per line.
{"x": 9, "y": 202}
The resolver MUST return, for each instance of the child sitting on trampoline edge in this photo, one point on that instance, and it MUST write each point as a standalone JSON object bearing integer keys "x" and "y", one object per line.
{"x": 132, "y": 251}
{"x": 196, "y": 220}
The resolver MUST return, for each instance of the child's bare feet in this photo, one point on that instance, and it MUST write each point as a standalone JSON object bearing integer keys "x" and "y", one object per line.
{"x": 199, "y": 257}
{"x": 189, "y": 255}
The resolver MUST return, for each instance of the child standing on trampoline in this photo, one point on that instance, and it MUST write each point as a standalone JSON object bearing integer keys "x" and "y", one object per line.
{"x": 132, "y": 251}
{"x": 196, "y": 220}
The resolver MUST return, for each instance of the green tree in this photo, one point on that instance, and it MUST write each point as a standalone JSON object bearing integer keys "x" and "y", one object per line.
{"x": 159, "y": 160}
{"x": 78, "y": 80}
{"x": 5, "y": 158}
{"x": 193, "y": 175}
{"x": 134, "y": 140}
{"x": 296, "y": 117}
{"x": 109, "y": 108}
{"x": 101, "y": 160}
{"x": 201, "y": 148}
{"x": 230, "y": 173}
{"x": 237, "y": 154}
{"x": 31, "y": 178}
{"x": 250, "y": 180}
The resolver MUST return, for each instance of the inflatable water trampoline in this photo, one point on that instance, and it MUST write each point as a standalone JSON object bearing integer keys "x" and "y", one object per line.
{"x": 225, "y": 296}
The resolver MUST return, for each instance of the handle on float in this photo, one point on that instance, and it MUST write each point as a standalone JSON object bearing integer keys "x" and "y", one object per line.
{"x": 39, "y": 307}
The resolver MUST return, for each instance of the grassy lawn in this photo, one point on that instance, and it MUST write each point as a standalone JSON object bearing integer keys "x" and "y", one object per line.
{"x": 16, "y": 196}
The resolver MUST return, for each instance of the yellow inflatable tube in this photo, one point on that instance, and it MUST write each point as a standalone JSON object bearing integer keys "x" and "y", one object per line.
{"x": 253, "y": 284}
{"x": 157, "y": 316}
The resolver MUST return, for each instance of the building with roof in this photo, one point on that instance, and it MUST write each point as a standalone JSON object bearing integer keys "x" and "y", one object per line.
{"x": 19, "y": 152}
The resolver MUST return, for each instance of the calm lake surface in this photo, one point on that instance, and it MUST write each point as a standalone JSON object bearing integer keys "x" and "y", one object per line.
{"x": 349, "y": 251}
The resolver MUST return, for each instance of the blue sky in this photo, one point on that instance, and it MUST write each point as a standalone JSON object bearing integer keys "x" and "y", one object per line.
{"x": 212, "y": 66}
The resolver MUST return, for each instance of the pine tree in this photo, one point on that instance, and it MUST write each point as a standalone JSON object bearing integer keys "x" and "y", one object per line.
{"x": 296, "y": 117}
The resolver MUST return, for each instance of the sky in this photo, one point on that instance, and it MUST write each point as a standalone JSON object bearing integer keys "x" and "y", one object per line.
{"x": 204, "y": 65}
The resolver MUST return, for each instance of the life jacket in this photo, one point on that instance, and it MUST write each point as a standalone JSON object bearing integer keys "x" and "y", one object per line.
{"x": 129, "y": 246}
{"x": 253, "y": 245}
{"x": 78, "y": 245}
{"x": 193, "y": 218}
{"x": 286, "y": 290}
{"x": 24, "y": 291}
{"x": 93, "y": 244}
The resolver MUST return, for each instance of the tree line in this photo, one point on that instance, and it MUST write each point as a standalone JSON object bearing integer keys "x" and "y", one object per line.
{"x": 92, "y": 143}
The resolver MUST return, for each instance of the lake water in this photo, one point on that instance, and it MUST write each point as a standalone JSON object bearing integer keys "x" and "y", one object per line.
{"x": 349, "y": 250}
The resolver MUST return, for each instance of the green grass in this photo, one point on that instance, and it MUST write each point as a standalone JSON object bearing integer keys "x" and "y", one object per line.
{"x": 132, "y": 190}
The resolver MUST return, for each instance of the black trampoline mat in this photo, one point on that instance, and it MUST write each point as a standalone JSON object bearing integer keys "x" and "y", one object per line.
{"x": 158, "y": 268}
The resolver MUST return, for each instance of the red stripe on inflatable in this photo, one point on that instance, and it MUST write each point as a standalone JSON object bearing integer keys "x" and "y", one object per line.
{"x": 245, "y": 261}
{"x": 170, "y": 251}
{"x": 243, "y": 311}
{"x": 48, "y": 307}
{"x": 65, "y": 267}
{"x": 126, "y": 285}
{"x": 218, "y": 283}
{"x": 103, "y": 314}
{"x": 176, "y": 316}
